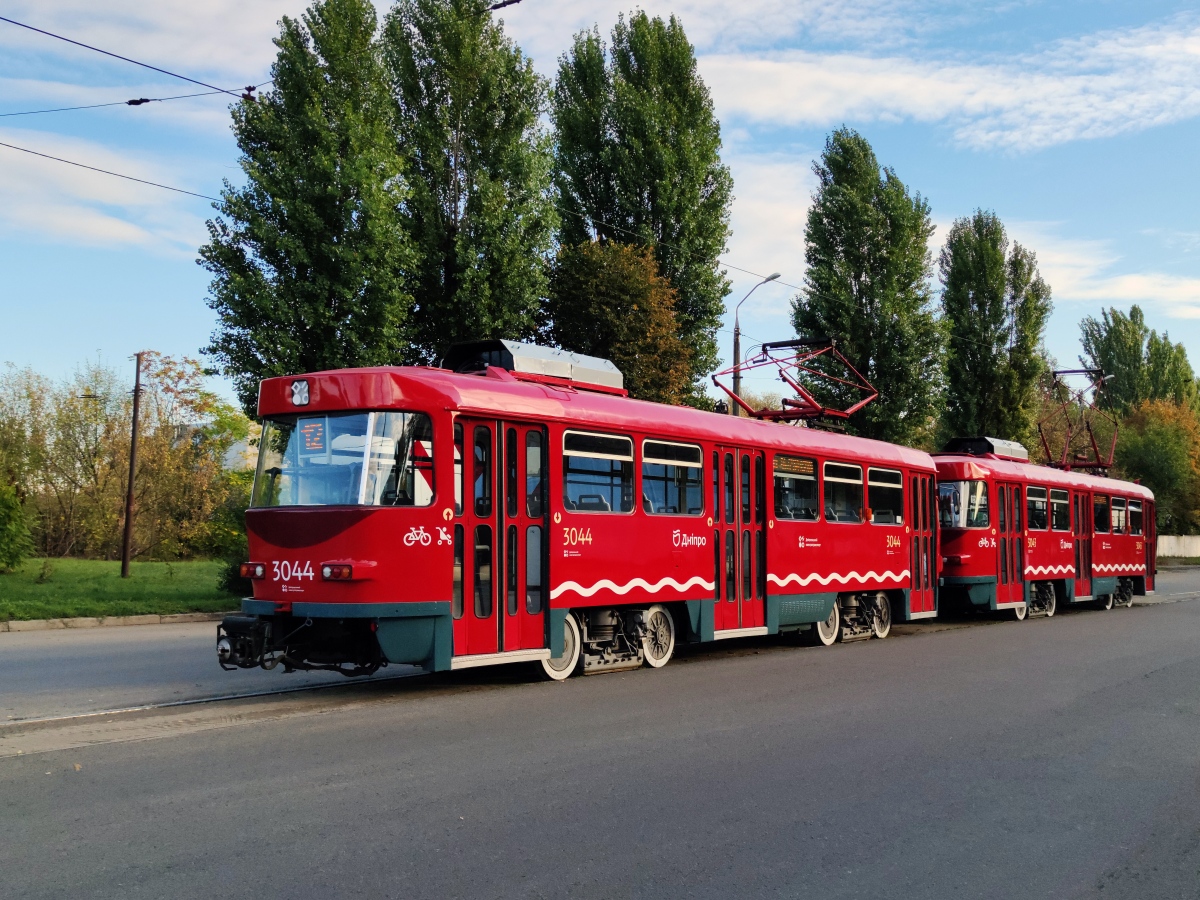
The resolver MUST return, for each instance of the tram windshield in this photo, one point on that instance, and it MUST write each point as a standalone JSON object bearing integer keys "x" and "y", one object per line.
{"x": 345, "y": 459}
{"x": 963, "y": 504}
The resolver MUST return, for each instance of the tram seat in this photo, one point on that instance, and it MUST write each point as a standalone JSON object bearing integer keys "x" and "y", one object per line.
{"x": 830, "y": 513}
{"x": 883, "y": 517}
{"x": 593, "y": 503}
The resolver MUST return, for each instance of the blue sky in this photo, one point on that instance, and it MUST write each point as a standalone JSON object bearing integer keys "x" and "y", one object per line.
{"x": 1077, "y": 122}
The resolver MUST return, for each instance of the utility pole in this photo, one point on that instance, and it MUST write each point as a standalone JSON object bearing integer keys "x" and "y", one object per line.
{"x": 737, "y": 344}
{"x": 127, "y": 540}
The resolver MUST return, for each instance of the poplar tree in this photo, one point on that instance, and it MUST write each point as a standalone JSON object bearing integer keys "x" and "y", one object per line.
{"x": 638, "y": 160}
{"x": 309, "y": 259}
{"x": 468, "y": 106}
{"x": 995, "y": 307}
{"x": 867, "y": 287}
{"x": 1144, "y": 365}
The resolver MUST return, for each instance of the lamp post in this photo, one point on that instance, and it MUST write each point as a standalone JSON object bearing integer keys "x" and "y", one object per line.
{"x": 737, "y": 343}
{"x": 127, "y": 538}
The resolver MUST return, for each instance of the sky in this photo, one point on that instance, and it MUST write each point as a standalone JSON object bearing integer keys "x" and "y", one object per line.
{"x": 1076, "y": 121}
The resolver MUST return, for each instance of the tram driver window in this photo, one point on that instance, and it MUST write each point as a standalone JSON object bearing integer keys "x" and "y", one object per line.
{"x": 963, "y": 504}
{"x": 795, "y": 488}
{"x": 1135, "y": 517}
{"x": 885, "y": 496}
{"x": 1036, "y": 506}
{"x": 1060, "y": 510}
{"x": 1100, "y": 514}
{"x": 843, "y": 493}
{"x": 672, "y": 478}
{"x": 1118, "y": 515}
{"x": 597, "y": 472}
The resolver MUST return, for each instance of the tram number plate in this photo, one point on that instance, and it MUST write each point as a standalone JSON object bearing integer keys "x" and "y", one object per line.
{"x": 285, "y": 570}
{"x": 573, "y": 537}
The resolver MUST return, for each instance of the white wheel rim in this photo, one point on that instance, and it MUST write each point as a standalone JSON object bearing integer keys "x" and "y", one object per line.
{"x": 1020, "y": 611}
{"x": 658, "y": 643}
{"x": 828, "y": 629}
{"x": 560, "y": 668}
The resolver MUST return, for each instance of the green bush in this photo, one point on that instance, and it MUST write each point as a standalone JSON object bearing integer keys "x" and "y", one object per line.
{"x": 15, "y": 540}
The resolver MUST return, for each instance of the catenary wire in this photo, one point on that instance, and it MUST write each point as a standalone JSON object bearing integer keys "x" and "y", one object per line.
{"x": 118, "y": 56}
{"x": 139, "y": 101}
{"x": 165, "y": 187}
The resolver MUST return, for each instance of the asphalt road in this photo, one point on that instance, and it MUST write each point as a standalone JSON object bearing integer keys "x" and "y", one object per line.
{"x": 1049, "y": 758}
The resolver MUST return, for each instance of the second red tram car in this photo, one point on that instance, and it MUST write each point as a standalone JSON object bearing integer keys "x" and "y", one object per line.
{"x": 527, "y": 510}
{"x": 1030, "y": 538}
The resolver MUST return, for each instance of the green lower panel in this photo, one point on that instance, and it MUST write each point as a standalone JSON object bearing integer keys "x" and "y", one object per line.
{"x": 701, "y": 619}
{"x": 425, "y": 641}
{"x": 791, "y": 610}
{"x": 1104, "y": 586}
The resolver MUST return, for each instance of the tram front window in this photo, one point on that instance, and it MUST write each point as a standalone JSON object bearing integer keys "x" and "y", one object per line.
{"x": 963, "y": 504}
{"x": 345, "y": 459}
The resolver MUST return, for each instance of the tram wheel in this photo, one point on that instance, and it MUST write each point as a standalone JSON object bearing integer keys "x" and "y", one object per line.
{"x": 881, "y": 622}
{"x": 1049, "y": 598}
{"x": 1021, "y": 611}
{"x": 560, "y": 668}
{"x": 1125, "y": 593}
{"x": 1104, "y": 601}
{"x": 826, "y": 632}
{"x": 658, "y": 641}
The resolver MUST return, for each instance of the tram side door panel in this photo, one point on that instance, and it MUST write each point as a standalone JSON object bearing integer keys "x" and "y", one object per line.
{"x": 1010, "y": 586}
{"x": 924, "y": 548}
{"x": 476, "y": 624}
{"x": 524, "y": 538}
{"x": 741, "y": 564}
{"x": 1083, "y": 544}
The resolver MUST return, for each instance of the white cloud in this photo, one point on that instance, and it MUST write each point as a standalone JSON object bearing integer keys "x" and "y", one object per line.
{"x": 1099, "y": 86}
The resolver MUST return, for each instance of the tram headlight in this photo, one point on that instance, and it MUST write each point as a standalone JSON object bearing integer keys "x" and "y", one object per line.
{"x": 252, "y": 570}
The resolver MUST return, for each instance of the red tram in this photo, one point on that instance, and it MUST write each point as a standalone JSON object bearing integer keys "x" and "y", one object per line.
{"x": 1028, "y": 538}
{"x": 518, "y": 506}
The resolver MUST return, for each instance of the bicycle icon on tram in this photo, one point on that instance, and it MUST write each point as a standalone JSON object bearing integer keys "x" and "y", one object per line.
{"x": 418, "y": 535}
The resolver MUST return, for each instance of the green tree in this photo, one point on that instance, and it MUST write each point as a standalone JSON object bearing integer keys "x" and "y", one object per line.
{"x": 15, "y": 541}
{"x": 995, "y": 307}
{"x": 468, "y": 106}
{"x": 310, "y": 258}
{"x": 639, "y": 160}
{"x": 1144, "y": 365}
{"x": 867, "y": 286}
{"x": 608, "y": 300}
{"x": 1159, "y": 444}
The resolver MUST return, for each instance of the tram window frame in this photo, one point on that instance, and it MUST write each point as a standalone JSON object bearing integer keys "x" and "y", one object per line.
{"x": 789, "y": 473}
{"x": 730, "y": 470}
{"x": 663, "y": 464}
{"x": 1137, "y": 522}
{"x": 890, "y": 495}
{"x": 510, "y": 472}
{"x": 481, "y": 471}
{"x": 535, "y": 474}
{"x": 1017, "y": 509}
{"x": 731, "y": 549}
{"x": 1101, "y": 522}
{"x": 716, "y": 485}
{"x": 836, "y": 491}
{"x": 760, "y": 489}
{"x": 1060, "y": 510}
{"x": 460, "y": 470}
{"x": 1037, "y": 508}
{"x": 484, "y": 600}
{"x": 535, "y": 583}
{"x": 1118, "y": 521}
{"x": 744, "y": 481}
{"x": 619, "y": 473}
{"x": 456, "y": 595}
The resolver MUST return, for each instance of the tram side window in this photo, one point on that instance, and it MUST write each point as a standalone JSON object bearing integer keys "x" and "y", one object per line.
{"x": 456, "y": 604}
{"x": 1100, "y": 514}
{"x": 843, "y": 493}
{"x": 1118, "y": 515}
{"x": 716, "y": 486}
{"x": 1135, "y": 517}
{"x": 597, "y": 472}
{"x": 1036, "y": 507}
{"x": 535, "y": 475}
{"x": 795, "y": 488}
{"x": 533, "y": 569}
{"x": 964, "y": 504}
{"x": 482, "y": 456}
{"x": 885, "y": 496}
{"x": 458, "y": 469}
{"x": 672, "y": 478}
{"x": 1060, "y": 510}
{"x": 400, "y": 465}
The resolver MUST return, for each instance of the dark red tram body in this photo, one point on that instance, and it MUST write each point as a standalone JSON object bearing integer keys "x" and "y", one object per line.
{"x": 1028, "y": 538}
{"x": 420, "y": 516}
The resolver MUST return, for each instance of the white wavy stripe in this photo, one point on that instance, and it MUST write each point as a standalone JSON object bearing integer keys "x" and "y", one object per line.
{"x": 604, "y": 583}
{"x": 1118, "y": 567}
{"x": 825, "y": 580}
{"x": 1049, "y": 570}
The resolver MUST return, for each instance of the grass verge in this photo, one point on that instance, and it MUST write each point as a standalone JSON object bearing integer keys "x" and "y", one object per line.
{"x": 66, "y": 588}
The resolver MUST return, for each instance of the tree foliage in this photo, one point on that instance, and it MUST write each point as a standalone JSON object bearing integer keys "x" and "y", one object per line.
{"x": 995, "y": 308}
{"x": 638, "y": 160}
{"x": 1144, "y": 365}
{"x": 15, "y": 541}
{"x": 468, "y": 106}
{"x": 867, "y": 286}
{"x": 310, "y": 258}
{"x": 1159, "y": 444}
{"x": 608, "y": 300}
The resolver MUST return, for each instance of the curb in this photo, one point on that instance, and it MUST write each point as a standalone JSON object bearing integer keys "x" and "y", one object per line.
{"x": 108, "y": 621}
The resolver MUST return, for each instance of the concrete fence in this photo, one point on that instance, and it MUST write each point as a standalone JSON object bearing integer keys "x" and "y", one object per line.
{"x": 1179, "y": 545}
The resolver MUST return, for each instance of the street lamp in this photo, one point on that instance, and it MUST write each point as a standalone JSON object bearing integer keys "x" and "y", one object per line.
{"x": 737, "y": 342}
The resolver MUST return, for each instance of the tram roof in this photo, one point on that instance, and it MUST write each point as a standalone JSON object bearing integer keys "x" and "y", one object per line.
{"x": 966, "y": 466}
{"x": 497, "y": 393}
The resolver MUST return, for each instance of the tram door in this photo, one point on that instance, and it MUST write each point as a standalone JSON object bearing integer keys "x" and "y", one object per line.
{"x": 743, "y": 554}
{"x": 1010, "y": 586}
{"x": 500, "y": 583}
{"x": 1083, "y": 544}
{"x": 924, "y": 546}
{"x": 1150, "y": 530}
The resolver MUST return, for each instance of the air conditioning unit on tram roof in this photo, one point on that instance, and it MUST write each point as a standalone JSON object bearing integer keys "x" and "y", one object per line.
{"x": 988, "y": 446}
{"x": 534, "y": 360}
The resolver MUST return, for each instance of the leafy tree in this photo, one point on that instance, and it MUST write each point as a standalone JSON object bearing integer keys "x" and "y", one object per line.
{"x": 867, "y": 286}
{"x": 1144, "y": 365}
{"x": 995, "y": 307}
{"x": 638, "y": 160}
{"x": 310, "y": 258}
{"x": 608, "y": 300}
{"x": 15, "y": 542}
{"x": 468, "y": 106}
{"x": 1159, "y": 444}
